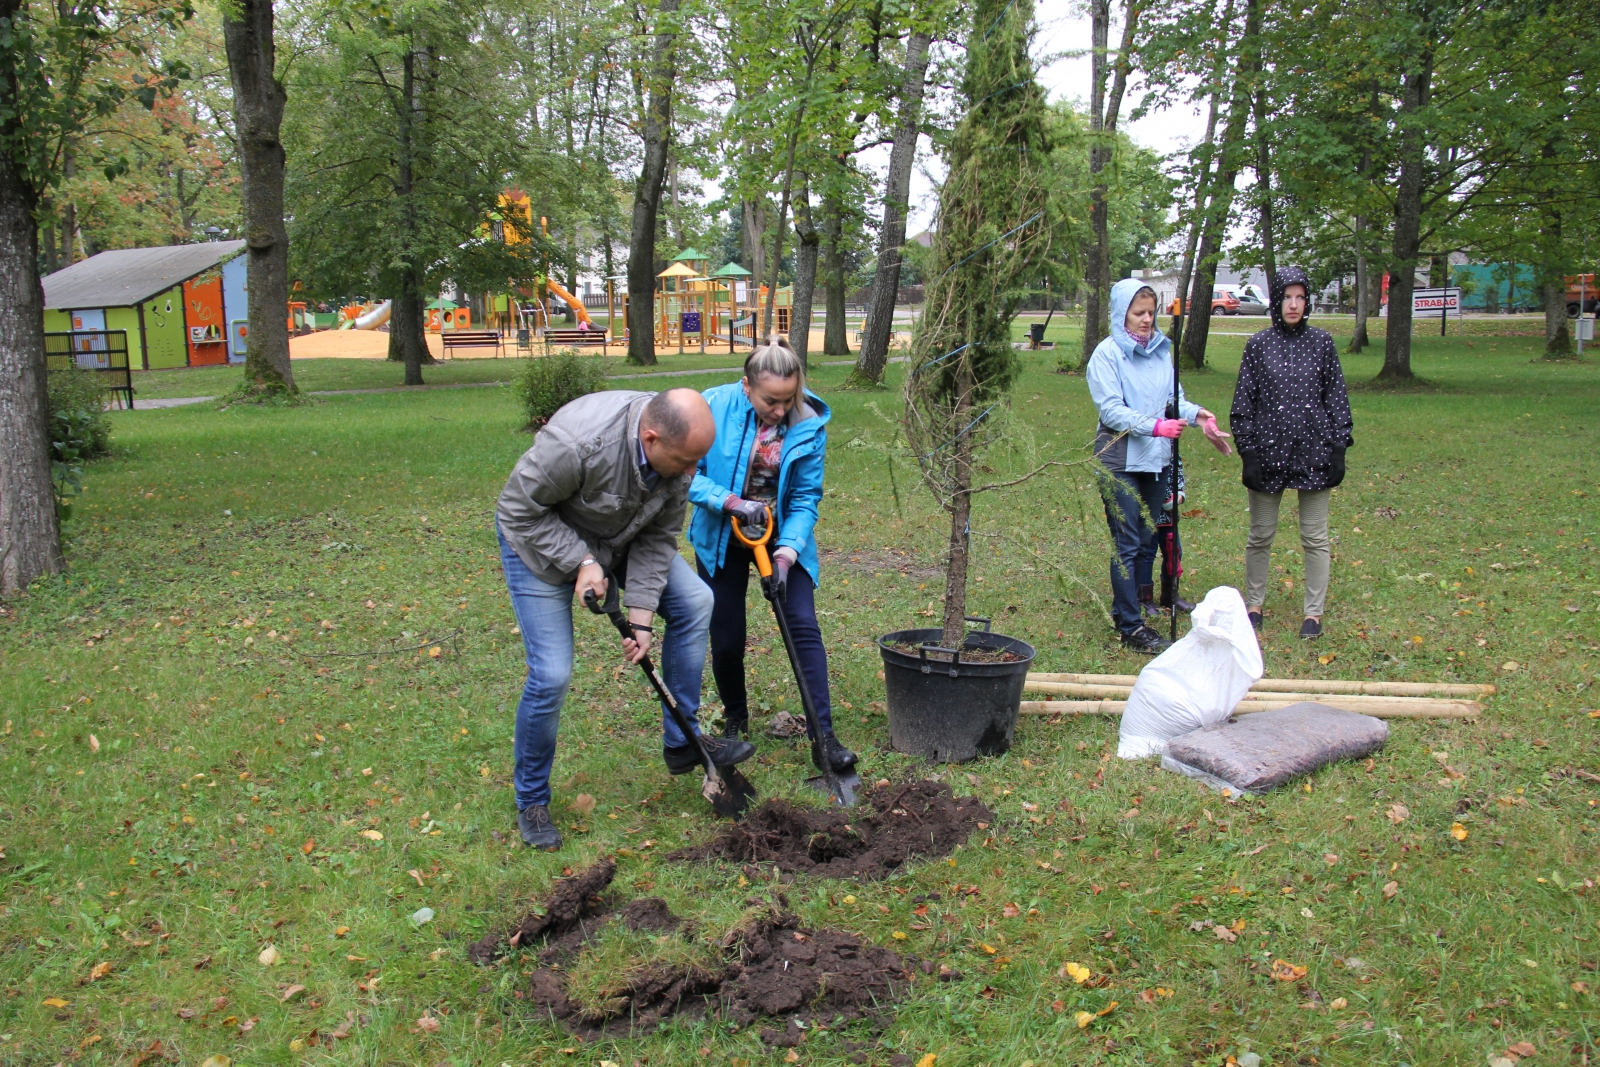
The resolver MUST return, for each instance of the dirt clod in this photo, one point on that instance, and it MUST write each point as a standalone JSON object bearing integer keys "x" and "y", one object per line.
{"x": 573, "y": 901}
{"x": 922, "y": 818}
{"x": 785, "y": 970}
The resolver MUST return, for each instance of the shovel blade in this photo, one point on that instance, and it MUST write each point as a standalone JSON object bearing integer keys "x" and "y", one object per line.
{"x": 730, "y": 797}
{"x": 849, "y": 785}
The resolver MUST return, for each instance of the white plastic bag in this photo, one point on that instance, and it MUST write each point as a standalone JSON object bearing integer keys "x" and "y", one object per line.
{"x": 1198, "y": 681}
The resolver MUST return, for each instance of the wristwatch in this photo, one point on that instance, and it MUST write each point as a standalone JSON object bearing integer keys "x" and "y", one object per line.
{"x": 588, "y": 562}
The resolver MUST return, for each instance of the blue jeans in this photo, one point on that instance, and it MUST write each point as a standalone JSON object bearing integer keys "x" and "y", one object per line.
{"x": 1132, "y": 537}
{"x": 544, "y": 613}
{"x": 728, "y": 635}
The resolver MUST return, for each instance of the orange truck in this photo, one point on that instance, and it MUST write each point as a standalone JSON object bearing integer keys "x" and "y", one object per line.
{"x": 1581, "y": 295}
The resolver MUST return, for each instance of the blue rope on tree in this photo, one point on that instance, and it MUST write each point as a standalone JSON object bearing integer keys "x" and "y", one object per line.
{"x": 997, "y": 18}
{"x": 962, "y": 434}
{"x": 1037, "y": 215}
{"x": 941, "y": 359}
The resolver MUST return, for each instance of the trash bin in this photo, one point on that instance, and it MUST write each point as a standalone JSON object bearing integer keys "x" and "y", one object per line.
{"x": 1035, "y": 335}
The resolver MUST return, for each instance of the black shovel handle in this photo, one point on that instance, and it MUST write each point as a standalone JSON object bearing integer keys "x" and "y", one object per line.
{"x": 611, "y": 607}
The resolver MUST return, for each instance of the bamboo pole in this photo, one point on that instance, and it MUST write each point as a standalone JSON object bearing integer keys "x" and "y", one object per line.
{"x": 1413, "y": 708}
{"x": 1298, "y": 685}
{"x": 1119, "y": 692}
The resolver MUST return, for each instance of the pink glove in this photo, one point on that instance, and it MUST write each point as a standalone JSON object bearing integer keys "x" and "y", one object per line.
{"x": 1168, "y": 428}
{"x": 1209, "y": 424}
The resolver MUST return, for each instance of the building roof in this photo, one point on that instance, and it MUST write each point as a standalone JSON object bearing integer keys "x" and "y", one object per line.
{"x": 689, "y": 255}
{"x": 678, "y": 270}
{"x": 129, "y": 276}
{"x": 730, "y": 270}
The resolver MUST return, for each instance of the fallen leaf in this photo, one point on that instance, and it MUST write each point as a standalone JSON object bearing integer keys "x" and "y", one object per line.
{"x": 53, "y": 1002}
{"x": 269, "y": 956}
{"x": 290, "y": 993}
{"x": 1108, "y": 1009}
{"x": 1330, "y": 858}
{"x": 1225, "y": 934}
{"x": 99, "y": 970}
{"x": 310, "y": 846}
{"x": 1338, "y": 1004}
{"x": 435, "y": 652}
{"x": 1580, "y": 987}
{"x": 372, "y": 835}
{"x": 216, "y": 1061}
{"x": 791, "y": 1056}
{"x": 247, "y": 1026}
{"x": 428, "y": 1024}
{"x": 1284, "y": 971}
{"x": 417, "y": 875}
{"x": 583, "y": 804}
{"x": 1201, "y": 924}
{"x": 1327, "y": 658}
{"x": 1010, "y": 911}
{"x": 1077, "y": 972}
{"x": 1398, "y": 813}
{"x": 1458, "y": 831}
{"x": 94, "y": 743}
{"x": 341, "y": 931}
{"x": 1147, "y": 996}
{"x": 927, "y": 1061}
{"x": 1521, "y": 1050}
{"x": 1390, "y": 889}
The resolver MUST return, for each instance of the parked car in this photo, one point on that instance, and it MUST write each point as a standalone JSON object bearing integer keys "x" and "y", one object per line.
{"x": 1581, "y": 295}
{"x": 1224, "y": 302}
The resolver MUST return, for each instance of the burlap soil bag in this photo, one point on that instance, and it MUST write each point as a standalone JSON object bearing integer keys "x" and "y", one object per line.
{"x": 1262, "y": 751}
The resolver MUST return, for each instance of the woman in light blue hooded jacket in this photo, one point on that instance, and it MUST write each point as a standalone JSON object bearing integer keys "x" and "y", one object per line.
{"x": 1130, "y": 380}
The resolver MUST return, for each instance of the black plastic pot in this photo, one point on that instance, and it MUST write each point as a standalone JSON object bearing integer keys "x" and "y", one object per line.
{"x": 948, "y": 709}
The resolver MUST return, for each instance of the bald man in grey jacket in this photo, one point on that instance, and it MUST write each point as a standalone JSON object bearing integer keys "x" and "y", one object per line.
{"x": 605, "y": 488}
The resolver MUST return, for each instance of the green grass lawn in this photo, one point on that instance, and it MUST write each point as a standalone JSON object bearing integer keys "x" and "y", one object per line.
{"x": 199, "y": 734}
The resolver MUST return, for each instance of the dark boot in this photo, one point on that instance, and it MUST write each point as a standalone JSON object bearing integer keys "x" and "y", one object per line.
{"x": 735, "y": 729}
{"x": 839, "y": 758}
{"x": 724, "y": 753}
{"x": 1147, "y": 602}
{"x": 533, "y": 822}
{"x": 1146, "y": 641}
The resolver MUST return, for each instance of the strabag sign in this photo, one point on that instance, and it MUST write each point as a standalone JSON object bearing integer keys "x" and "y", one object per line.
{"x": 1438, "y": 301}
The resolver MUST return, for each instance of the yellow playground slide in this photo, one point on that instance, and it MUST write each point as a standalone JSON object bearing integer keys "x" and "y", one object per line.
{"x": 573, "y": 302}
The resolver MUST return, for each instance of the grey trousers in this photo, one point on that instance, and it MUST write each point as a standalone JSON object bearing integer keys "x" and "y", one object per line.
{"x": 1313, "y": 508}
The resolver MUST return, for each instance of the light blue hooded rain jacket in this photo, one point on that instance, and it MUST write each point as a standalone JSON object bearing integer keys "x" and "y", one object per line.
{"x": 1131, "y": 384}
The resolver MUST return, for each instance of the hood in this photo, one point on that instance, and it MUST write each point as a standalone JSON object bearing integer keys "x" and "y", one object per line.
{"x": 1122, "y": 294}
{"x": 1288, "y": 276}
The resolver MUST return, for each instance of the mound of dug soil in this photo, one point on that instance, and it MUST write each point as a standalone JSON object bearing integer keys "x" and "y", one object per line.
{"x": 767, "y": 966}
{"x": 913, "y": 819}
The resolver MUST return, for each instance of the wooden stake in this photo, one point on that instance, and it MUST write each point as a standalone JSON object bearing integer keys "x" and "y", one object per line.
{"x": 1297, "y": 685}
{"x": 1378, "y": 708}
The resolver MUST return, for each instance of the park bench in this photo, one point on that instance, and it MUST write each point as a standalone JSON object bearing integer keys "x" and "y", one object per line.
{"x": 471, "y": 339}
{"x": 573, "y": 338}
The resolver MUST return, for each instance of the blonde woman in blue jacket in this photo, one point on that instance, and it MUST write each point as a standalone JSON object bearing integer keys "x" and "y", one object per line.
{"x": 771, "y": 446}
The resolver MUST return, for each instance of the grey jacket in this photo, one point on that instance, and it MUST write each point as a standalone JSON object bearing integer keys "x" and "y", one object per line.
{"x": 579, "y": 492}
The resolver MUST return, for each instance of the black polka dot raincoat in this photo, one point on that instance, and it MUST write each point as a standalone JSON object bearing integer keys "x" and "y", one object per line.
{"x": 1291, "y": 414}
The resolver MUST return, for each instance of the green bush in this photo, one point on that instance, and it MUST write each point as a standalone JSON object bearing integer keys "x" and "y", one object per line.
{"x": 79, "y": 430}
{"x": 548, "y": 383}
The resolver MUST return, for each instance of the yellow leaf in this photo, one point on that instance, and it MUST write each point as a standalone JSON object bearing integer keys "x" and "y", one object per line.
{"x": 99, "y": 970}
{"x": 54, "y": 1002}
{"x": 852, "y": 900}
{"x": 1284, "y": 971}
{"x": 434, "y": 653}
{"x": 1458, "y": 831}
{"x": 310, "y": 846}
{"x": 372, "y": 835}
{"x": 269, "y": 956}
{"x": 1083, "y": 1018}
{"x": 791, "y": 1056}
{"x": 218, "y": 1060}
{"x": 341, "y": 931}
{"x": 1077, "y": 972}
{"x": 484, "y": 771}
{"x": 297, "y": 1045}
{"x": 1338, "y": 1004}
{"x": 927, "y": 1061}
{"x": 990, "y": 949}
{"x": 899, "y": 935}
{"x": 1108, "y": 1009}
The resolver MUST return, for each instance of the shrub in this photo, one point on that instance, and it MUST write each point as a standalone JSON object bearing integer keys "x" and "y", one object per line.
{"x": 79, "y": 430}
{"x": 549, "y": 382}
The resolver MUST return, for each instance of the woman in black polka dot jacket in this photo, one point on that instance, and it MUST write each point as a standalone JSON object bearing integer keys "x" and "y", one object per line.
{"x": 1291, "y": 421}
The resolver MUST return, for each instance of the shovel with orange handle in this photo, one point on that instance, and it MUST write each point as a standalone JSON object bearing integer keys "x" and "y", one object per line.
{"x": 843, "y": 787}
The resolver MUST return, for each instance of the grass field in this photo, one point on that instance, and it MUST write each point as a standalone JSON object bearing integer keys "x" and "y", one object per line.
{"x": 199, "y": 736}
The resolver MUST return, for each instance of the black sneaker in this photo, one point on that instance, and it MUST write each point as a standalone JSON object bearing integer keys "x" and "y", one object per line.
{"x": 1146, "y": 641}
{"x": 841, "y": 758}
{"x": 537, "y": 829}
{"x": 725, "y": 752}
{"x": 1255, "y": 619}
{"x": 1311, "y": 628}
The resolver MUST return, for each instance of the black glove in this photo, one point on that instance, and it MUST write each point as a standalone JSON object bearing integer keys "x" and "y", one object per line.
{"x": 750, "y": 513}
{"x": 1336, "y": 468}
{"x": 1252, "y": 471}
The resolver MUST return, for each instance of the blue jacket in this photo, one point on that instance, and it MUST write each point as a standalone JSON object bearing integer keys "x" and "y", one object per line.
{"x": 1131, "y": 384}
{"x": 726, "y": 467}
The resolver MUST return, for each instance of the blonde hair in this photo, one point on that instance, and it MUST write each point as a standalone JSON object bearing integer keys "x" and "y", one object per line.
{"x": 776, "y": 359}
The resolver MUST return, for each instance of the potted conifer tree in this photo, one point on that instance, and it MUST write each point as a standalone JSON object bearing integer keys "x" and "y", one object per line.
{"x": 954, "y": 692}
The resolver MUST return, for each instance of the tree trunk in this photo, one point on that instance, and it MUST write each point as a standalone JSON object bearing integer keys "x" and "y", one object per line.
{"x": 896, "y": 196}
{"x": 1359, "y": 339}
{"x": 1095, "y": 268}
{"x": 1269, "y": 252}
{"x": 657, "y": 136}
{"x": 1202, "y": 186}
{"x": 1407, "y": 224}
{"x": 30, "y": 534}
{"x": 754, "y": 239}
{"x": 805, "y": 272}
{"x": 258, "y": 99}
{"x": 768, "y": 324}
{"x": 960, "y": 508}
{"x": 1197, "y": 329}
{"x": 835, "y": 332}
{"x": 1557, "y": 334}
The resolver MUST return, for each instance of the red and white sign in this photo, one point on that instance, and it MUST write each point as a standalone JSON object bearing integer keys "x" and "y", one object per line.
{"x": 1438, "y": 301}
